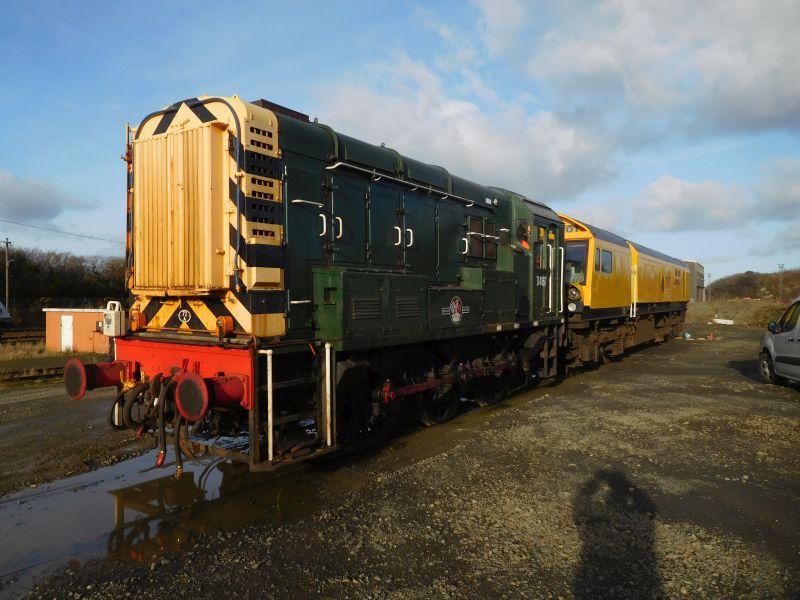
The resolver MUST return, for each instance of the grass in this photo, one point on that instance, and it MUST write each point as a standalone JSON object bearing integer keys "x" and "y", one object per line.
{"x": 25, "y": 350}
{"x": 753, "y": 313}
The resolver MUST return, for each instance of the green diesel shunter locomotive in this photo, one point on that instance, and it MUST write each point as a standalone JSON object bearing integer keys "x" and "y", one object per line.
{"x": 293, "y": 289}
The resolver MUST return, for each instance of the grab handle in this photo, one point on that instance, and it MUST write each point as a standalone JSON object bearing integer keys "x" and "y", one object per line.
{"x": 324, "y": 225}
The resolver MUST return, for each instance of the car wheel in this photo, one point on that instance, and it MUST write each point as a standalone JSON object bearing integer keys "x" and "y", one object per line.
{"x": 767, "y": 371}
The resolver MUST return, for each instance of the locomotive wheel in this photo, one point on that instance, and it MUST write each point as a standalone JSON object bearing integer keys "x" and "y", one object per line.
{"x": 493, "y": 390}
{"x": 435, "y": 409}
{"x": 359, "y": 427}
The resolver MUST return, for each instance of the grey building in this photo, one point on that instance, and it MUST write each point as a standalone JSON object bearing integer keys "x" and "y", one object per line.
{"x": 697, "y": 281}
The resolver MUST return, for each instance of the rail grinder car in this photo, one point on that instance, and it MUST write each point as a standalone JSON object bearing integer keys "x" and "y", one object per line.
{"x": 293, "y": 288}
{"x": 619, "y": 293}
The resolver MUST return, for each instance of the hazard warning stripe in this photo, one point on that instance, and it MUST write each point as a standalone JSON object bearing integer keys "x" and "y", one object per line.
{"x": 200, "y": 111}
{"x": 164, "y": 314}
{"x": 186, "y": 318}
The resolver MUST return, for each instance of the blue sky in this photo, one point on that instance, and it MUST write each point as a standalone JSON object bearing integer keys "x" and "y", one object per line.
{"x": 675, "y": 124}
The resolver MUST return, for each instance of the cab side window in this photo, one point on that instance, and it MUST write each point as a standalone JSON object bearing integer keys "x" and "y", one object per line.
{"x": 597, "y": 259}
{"x": 523, "y": 234}
{"x": 482, "y": 238}
{"x": 475, "y": 234}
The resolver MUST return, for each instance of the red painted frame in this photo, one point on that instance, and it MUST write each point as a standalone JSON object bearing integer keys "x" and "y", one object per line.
{"x": 151, "y": 357}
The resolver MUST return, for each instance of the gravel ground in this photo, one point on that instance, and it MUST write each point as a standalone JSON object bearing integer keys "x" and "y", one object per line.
{"x": 672, "y": 473}
{"x": 44, "y": 435}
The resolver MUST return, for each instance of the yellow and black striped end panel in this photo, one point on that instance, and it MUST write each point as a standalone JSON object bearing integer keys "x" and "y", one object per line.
{"x": 251, "y": 259}
{"x": 199, "y": 315}
{"x": 181, "y": 153}
{"x": 259, "y": 231}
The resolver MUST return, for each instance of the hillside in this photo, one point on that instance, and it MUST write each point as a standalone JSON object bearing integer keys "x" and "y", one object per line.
{"x": 756, "y": 285}
{"x": 752, "y": 313}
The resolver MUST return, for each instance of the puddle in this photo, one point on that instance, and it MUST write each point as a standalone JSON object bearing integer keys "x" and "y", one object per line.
{"x": 135, "y": 512}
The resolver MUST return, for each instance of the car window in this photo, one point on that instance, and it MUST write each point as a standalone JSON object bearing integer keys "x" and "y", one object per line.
{"x": 608, "y": 261}
{"x": 789, "y": 319}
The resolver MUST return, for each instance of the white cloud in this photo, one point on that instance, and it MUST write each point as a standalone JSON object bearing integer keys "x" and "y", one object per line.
{"x": 502, "y": 24}
{"x": 671, "y": 204}
{"x": 536, "y": 153}
{"x": 606, "y": 216}
{"x": 777, "y": 198}
{"x": 784, "y": 242}
{"x": 33, "y": 200}
{"x": 779, "y": 193}
{"x": 684, "y": 65}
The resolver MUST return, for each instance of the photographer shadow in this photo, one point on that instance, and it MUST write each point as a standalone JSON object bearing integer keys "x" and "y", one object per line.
{"x": 615, "y": 520}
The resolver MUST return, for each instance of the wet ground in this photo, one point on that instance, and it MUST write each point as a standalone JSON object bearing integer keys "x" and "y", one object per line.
{"x": 672, "y": 473}
{"x": 44, "y": 435}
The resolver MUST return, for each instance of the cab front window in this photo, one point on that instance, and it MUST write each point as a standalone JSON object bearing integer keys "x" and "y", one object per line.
{"x": 575, "y": 258}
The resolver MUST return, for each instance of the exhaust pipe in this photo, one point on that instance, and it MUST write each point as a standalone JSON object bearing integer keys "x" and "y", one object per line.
{"x": 195, "y": 395}
{"x": 79, "y": 377}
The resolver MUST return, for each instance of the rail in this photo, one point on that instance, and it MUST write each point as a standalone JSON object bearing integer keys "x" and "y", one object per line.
{"x": 21, "y": 336}
{"x": 31, "y": 374}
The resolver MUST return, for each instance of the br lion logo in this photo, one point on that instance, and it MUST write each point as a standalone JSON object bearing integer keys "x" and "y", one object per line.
{"x": 456, "y": 310}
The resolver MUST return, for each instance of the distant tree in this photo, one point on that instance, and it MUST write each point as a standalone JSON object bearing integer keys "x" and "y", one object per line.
{"x": 751, "y": 284}
{"x": 42, "y": 278}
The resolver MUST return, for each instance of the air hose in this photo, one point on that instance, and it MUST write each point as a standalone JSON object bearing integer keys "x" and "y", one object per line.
{"x": 131, "y": 398}
{"x": 162, "y": 434}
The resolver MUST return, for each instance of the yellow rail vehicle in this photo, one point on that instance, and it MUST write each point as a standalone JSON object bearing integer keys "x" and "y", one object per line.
{"x": 659, "y": 278}
{"x": 620, "y": 293}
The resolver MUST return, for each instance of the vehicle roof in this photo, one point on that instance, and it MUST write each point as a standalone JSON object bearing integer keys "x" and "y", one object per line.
{"x": 659, "y": 255}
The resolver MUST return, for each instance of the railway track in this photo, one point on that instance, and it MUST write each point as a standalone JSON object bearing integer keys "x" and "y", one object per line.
{"x": 31, "y": 374}
{"x": 22, "y": 336}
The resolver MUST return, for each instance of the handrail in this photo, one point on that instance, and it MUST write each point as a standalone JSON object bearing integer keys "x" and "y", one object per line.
{"x": 328, "y": 395}
{"x": 373, "y": 174}
{"x": 550, "y": 278}
{"x": 484, "y": 236}
{"x": 324, "y": 225}
{"x": 561, "y": 280}
{"x": 309, "y": 202}
{"x": 269, "y": 407}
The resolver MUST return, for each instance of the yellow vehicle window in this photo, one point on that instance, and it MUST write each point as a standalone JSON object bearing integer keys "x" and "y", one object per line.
{"x": 607, "y": 261}
{"x": 575, "y": 257}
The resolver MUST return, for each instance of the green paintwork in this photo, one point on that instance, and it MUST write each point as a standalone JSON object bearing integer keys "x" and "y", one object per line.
{"x": 471, "y": 277}
{"x": 329, "y": 303}
{"x": 382, "y": 263}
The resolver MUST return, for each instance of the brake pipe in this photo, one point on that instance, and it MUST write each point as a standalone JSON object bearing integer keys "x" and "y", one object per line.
{"x": 162, "y": 434}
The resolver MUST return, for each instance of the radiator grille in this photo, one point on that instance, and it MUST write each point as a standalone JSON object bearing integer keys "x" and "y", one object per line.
{"x": 407, "y": 307}
{"x": 178, "y": 211}
{"x": 366, "y": 308}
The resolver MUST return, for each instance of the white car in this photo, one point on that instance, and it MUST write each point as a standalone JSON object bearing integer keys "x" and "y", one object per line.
{"x": 780, "y": 347}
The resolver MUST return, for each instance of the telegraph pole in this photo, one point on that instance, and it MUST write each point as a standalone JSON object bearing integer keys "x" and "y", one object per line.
{"x": 780, "y": 281}
{"x": 7, "y": 243}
